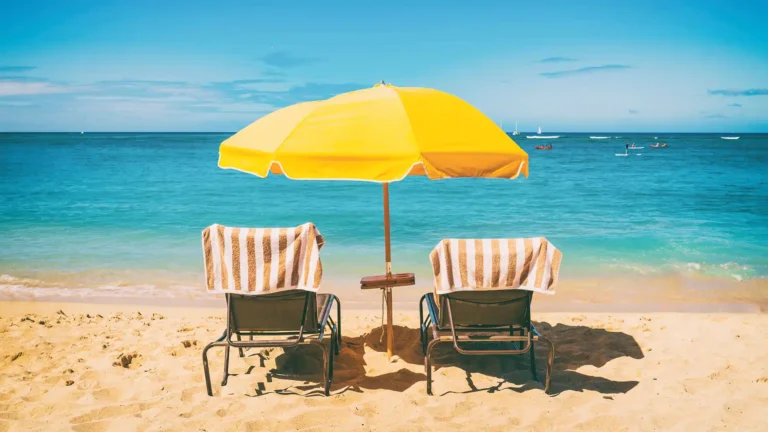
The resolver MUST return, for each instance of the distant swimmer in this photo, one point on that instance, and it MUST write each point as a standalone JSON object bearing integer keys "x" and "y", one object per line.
{"x": 626, "y": 147}
{"x": 664, "y": 145}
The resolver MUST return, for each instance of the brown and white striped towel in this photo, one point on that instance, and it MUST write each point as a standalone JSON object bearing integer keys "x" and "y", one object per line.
{"x": 495, "y": 264}
{"x": 262, "y": 260}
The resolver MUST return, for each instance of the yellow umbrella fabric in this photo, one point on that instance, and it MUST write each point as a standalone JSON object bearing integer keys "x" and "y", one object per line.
{"x": 380, "y": 134}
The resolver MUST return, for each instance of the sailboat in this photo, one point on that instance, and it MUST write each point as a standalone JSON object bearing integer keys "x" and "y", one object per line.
{"x": 540, "y": 136}
{"x": 515, "y": 132}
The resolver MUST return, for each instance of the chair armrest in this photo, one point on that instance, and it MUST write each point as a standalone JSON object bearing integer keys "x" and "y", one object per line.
{"x": 534, "y": 331}
{"x": 432, "y": 309}
{"x": 326, "y": 314}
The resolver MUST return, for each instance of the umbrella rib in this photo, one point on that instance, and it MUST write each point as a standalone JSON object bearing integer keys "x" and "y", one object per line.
{"x": 412, "y": 135}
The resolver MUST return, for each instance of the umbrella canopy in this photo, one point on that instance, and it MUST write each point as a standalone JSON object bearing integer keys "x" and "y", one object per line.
{"x": 380, "y": 134}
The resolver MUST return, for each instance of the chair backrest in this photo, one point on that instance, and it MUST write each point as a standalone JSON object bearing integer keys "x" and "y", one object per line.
{"x": 280, "y": 311}
{"x": 487, "y": 308}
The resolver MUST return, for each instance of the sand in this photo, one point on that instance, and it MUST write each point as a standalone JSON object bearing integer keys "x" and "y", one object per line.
{"x": 95, "y": 367}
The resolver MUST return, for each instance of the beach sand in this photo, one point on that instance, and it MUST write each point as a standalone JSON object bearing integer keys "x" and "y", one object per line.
{"x": 99, "y": 367}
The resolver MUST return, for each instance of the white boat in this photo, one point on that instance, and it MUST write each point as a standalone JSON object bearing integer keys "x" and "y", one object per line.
{"x": 515, "y": 132}
{"x": 598, "y": 137}
{"x": 730, "y": 138}
{"x": 540, "y": 136}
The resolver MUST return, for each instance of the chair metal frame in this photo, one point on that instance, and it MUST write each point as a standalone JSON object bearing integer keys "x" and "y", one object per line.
{"x": 286, "y": 339}
{"x": 522, "y": 336}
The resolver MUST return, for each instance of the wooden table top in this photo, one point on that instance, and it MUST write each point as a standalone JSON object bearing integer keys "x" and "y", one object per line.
{"x": 382, "y": 281}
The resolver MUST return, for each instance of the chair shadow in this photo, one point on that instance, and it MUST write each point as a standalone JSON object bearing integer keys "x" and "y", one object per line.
{"x": 304, "y": 364}
{"x": 575, "y": 346}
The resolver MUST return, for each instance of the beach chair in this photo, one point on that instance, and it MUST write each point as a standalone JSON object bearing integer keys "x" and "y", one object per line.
{"x": 270, "y": 278}
{"x": 482, "y": 298}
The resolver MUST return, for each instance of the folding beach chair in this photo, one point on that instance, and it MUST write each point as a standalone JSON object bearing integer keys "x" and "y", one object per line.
{"x": 483, "y": 293}
{"x": 270, "y": 279}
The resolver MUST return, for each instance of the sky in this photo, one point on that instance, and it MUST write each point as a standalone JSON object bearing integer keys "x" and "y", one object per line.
{"x": 586, "y": 66}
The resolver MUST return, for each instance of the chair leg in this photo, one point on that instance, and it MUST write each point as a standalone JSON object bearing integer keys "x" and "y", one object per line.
{"x": 326, "y": 369}
{"x": 240, "y": 349}
{"x": 550, "y": 361}
{"x": 533, "y": 362}
{"x": 226, "y": 366}
{"x": 334, "y": 350}
{"x": 428, "y": 364}
{"x": 206, "y": 371}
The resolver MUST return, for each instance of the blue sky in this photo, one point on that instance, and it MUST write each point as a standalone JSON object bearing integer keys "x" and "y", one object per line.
{"x": 216, "y": 66}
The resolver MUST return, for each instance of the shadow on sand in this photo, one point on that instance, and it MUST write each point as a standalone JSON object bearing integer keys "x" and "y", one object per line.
{"x": 575, "y": 346}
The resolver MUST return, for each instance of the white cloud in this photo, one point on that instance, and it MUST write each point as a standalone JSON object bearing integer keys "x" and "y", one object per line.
{"x": 28, "y": 88}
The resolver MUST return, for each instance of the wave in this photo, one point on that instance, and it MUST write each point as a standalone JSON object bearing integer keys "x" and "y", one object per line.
{"x": 728, "y": 270}
{"x": 17, "y": 288}
{"x": 731, "y": 270}
{"x": 598, "y": 137}
{"x": 8, "y": 280}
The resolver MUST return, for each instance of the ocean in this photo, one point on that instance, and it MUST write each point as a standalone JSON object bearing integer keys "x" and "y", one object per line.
{"x": 120, "y": 214}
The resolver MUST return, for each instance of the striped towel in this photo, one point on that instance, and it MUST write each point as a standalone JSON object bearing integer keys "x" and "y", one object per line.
{"x": 495, "y": 264}
{"x": 262, "y": 260}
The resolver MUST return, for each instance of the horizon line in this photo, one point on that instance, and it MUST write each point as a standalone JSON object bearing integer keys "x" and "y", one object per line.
{"x": 507, "y": 132}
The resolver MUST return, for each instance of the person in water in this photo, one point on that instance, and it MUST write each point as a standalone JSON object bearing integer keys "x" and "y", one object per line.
{"x": 664, "y": 145}
{"x": 626, "y": 147}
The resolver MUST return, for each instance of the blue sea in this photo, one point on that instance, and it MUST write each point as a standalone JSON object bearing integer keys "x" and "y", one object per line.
{"x": 122, "y": 213}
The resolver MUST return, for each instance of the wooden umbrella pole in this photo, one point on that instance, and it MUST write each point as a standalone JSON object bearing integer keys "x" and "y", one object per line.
{"x": 388, "y": 258}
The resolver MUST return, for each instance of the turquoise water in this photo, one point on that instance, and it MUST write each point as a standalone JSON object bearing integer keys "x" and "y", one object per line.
{"x": 124, "y": 211}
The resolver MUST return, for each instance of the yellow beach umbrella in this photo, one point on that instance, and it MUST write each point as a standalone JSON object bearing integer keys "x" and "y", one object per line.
{"x": 381, "y": 134}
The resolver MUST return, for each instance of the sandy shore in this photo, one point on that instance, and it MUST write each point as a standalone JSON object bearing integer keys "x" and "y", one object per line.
{"x": 109, "y": 367}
